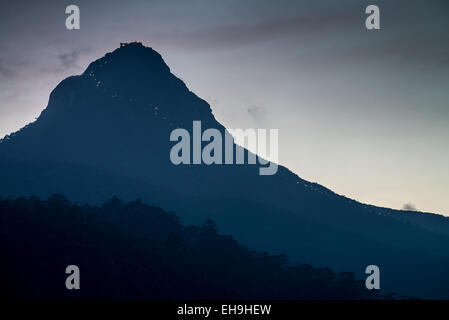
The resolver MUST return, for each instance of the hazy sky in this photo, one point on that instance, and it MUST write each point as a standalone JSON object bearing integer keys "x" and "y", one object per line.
{"x": 364, "y": 113}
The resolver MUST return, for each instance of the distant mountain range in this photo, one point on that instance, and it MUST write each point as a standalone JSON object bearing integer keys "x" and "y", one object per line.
{"x": 106, "y": 132}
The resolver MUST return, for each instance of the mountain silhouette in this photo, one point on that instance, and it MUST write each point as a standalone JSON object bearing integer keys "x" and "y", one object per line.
{"x": 106, "y": 132}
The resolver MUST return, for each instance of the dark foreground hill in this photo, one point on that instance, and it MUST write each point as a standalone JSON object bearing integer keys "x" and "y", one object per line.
{"x": 134, "y": 251}
{"x": 106, "y": 132}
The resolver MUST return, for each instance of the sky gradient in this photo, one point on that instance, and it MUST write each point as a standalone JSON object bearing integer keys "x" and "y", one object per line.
{"x": 364, "y": 113}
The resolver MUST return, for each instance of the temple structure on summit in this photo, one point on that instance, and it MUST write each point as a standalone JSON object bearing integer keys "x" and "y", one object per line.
{"x": 135, "y": 43}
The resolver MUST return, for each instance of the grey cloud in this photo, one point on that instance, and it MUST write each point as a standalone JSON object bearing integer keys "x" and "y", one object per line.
{"x": 238, "y": 35}
{"x": 9, "y": 66}
{"x": 69, "y": 59}
{"x": 5, "y": 69}
{"x": 409, "y": 207}
{"x": 12, "y": 65}
{"x": 258, "y": 113}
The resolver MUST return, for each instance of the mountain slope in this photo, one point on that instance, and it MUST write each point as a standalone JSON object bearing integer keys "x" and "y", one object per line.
{"x": 106, "y": 132}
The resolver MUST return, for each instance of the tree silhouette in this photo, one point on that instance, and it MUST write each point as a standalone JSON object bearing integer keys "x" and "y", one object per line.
{"x": 135, "y": 251}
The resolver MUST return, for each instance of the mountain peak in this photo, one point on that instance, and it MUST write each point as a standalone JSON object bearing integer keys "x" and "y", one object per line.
{"x": 139, "y": 74}
{"x": 130, "y": 59}
{"x": 131, "y": 44}
{"x": 132, "y": 82}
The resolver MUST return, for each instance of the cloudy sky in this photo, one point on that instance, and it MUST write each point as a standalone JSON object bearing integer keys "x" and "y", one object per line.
{"x": 364, "y": 113}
